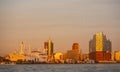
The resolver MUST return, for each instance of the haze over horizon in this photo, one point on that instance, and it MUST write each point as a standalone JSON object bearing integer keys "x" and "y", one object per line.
{"x": 64, "y": 21}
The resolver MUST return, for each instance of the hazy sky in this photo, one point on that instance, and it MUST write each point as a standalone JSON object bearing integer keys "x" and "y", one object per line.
{"x": 64, "y": 21}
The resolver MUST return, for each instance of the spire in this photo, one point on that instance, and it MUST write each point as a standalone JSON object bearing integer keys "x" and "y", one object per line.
{"x": 29, "y": 50}
{"x": 21, "y": 48}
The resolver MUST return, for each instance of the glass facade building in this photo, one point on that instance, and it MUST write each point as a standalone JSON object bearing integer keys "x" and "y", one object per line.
{"x": 100, "y": 47}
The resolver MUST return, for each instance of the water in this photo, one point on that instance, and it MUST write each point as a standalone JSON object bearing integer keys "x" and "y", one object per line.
{"x": 61, "y": 68}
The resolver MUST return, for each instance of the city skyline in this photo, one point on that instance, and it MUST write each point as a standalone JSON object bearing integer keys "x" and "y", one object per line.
{"x": 26, "y": 46}
{"x": 65, "y": 22}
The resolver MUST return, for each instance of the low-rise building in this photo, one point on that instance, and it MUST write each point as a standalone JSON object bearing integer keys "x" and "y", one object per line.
{"x": 58, "y": 57}
{"x": 117, "y": 56}
{"x": 15, "y": 57}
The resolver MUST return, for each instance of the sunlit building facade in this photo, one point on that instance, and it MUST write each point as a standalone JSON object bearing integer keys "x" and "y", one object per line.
{"x": 35, "y": 56}
{"x": 117, "y": 56}
{"x": 100, "y": 48}
{"x": 58, "y": 57}
{"x": 15, "y": 57}
{"x": 48, "y": 47}
{"x": 38, "y": 56}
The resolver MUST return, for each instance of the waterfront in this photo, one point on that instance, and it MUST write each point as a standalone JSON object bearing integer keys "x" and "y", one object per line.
{"x": 60, "y": 68}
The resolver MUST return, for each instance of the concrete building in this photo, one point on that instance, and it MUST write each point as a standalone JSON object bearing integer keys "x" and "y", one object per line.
{"x": 73, "y": 55}
{"x": 100, "y": 48}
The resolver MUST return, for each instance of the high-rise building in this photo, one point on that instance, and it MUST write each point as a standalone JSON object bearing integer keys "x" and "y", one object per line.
{"x": 100, "y": 47}
{"x": 48, "y": 47}
{"x": 45, "y": 47}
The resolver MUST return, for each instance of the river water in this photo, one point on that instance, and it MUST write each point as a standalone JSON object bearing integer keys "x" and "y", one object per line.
{"x": 61, "y": 68}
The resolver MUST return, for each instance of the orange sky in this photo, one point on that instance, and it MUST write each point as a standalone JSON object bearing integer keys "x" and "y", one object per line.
{"x": 64, "y": 21}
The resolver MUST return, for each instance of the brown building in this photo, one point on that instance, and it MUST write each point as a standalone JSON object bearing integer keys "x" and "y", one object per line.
{"x": 75, "y": 46}
{"x": 74, "y": 54}
{"x": 100, "y": 56}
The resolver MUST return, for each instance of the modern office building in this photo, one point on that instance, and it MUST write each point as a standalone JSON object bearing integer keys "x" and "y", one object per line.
{"x": 48, "y": 47}
{"x": 100, "y": 48}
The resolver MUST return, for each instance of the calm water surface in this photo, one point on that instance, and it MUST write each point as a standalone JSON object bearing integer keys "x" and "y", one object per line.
{"x": 61, "y": 68}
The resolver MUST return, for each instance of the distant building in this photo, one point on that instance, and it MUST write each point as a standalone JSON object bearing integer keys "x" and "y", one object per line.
{"x": 113, "y": 56}
{"x": 21, "y": 49}
{"x": 117, "y": 56}
{"x": 58, "y": 57}
{"x": 73, "y": 55}
{"x": 15, "y": 57}
{"x": 35, "y": 56}
{"x": 75, "y": 46}
{"x": 48, "y": 46}
{"x": 38, "y": 56}
{"x": 45, "y": 47}
{"x": 100, "y": 48}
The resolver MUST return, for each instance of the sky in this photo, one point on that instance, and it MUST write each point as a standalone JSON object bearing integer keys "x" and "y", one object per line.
{"x": 63, "y": 21}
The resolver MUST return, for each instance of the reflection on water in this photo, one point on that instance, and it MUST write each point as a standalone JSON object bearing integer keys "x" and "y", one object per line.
{"x": 61, "y": 68}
